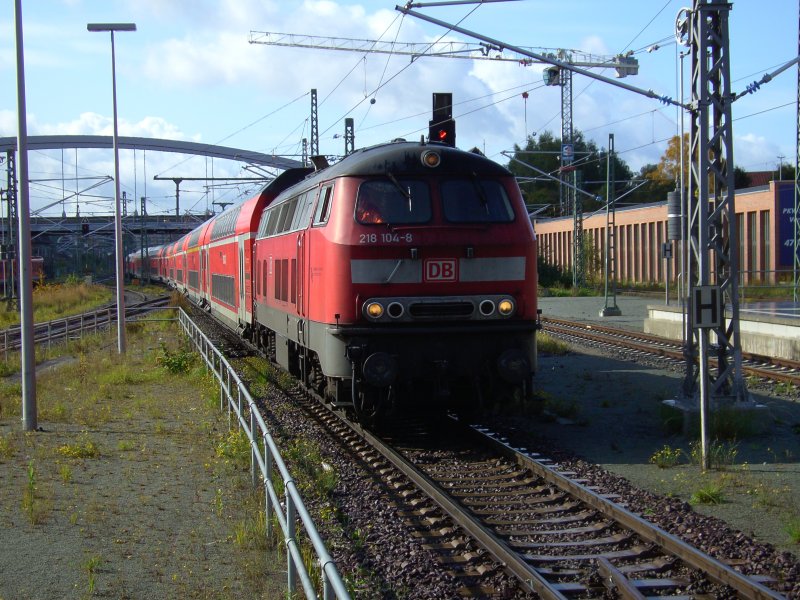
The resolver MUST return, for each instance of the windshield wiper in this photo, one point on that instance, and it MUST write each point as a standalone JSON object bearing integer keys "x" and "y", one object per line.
{"x": 405, "y": 191}
{"x": 480, "y": 191}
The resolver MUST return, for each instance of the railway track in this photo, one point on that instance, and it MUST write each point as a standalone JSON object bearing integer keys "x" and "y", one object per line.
{"x": 507, "y": 523}
{"x": 483, "y": 506}
{"x": 767, "y": 368}
{"x": 59, "y": 329}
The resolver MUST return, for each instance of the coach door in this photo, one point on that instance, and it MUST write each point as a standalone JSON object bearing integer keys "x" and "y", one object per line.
{"x": 242, "y": 284}
{"x": 204, "y": 270}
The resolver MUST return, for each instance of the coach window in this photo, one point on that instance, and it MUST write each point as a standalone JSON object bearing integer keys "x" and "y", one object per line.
{"x": 286, "y": 217}
{"x": 476, "y": 201}
{"x": 302, "y": 214}
{"x": 393, "y": 202}
{"x": 324, "y": 206}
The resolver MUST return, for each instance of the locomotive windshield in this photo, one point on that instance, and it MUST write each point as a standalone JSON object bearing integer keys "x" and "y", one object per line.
{"x": 475, "y": 201}
{"x": 393, "y": 201}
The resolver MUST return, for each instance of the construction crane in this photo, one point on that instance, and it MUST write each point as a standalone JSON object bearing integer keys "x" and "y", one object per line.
{"x": 623, "y": 65}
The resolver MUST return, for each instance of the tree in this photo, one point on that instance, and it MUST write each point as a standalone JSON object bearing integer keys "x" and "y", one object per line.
{"x": 544, "y": 153}
{"x": 669, "y": 167}
{"x": 741, "y": 179}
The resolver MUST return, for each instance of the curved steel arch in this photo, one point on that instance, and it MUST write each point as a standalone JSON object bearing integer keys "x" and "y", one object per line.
{"x": 51, "y": 142}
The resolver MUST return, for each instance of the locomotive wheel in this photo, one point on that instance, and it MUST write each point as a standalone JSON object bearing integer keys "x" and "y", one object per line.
{"x": 370, "y": 402}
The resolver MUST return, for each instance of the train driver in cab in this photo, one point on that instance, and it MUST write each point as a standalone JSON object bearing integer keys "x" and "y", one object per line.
{"x": 371, "y": 205}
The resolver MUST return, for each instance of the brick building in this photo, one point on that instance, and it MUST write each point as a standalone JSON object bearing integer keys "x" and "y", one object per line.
{"x": 765, "y": 226}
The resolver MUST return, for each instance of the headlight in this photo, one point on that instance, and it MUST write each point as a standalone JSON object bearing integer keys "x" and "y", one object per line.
{"x": 505, "y": 307}
{"x": 374, "y": 310}
{"x": 431, "y": 158}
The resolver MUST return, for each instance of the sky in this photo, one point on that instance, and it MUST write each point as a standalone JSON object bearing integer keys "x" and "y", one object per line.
{"x": 190, "y": 73}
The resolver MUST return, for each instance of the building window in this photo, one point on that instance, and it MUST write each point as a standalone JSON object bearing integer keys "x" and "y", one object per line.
{"x": 766, "y": 250}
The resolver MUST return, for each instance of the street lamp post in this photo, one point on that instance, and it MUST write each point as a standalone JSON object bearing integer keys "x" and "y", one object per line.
{"x": 112, "y": 27}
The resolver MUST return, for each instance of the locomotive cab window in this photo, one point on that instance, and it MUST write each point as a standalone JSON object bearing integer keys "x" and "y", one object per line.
{"x": 393, "y": 202}
{"x": 476, "y": 201}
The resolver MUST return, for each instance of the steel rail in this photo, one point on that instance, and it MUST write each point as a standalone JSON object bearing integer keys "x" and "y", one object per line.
{"x": 716, "y": 570}
{"x": 665, "y": 347}
{"x": 51, "y": 331}
{"x": 530, "y": 578}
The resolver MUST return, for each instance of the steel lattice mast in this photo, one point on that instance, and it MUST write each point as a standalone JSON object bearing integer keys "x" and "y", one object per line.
{"x": 712, "y": 254}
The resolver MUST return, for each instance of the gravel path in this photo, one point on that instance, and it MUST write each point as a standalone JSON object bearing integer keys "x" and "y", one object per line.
{"x": 124, "y": 493}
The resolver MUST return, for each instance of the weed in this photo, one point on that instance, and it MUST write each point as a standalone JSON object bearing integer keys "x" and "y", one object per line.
{"x": 251, "y": 532}
{"x": 720, "y": 454}
{"x": 234, "y": 448}
{"x": 83, "y": 448}
{"x": 66, "y": 473}
{"x": 793, "y": 529}
{"x": 29, "y": 493}
{"x": 175, "y": 361}
{"x": 709, "y": 494}
{"x": 125, "y": 445}
{"x": 785, "y": 388}
{"x": 9, "y": 367}
{"x": 307, "y": 457}
{"x": 31, "y": 505}
{"x": 566, "y": 409}
{"x": 765, "y": 496}
{"x": 550, "y": 345}
{"x": 90, "y": 566}
{"x": 218, "y": 502}
{"x": 7, "y": 449}
{"x": 667, "y": 457}
{"x": 59, "y": 412}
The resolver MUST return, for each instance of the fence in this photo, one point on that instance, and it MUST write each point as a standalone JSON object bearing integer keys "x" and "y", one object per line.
{"x": 239, "y": 402}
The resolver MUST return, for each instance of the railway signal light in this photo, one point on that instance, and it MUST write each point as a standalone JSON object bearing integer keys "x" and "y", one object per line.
{"x": 442, "y": 127}
{"x": 444, "y": 131}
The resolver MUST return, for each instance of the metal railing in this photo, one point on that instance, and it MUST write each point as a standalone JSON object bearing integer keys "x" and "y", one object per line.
{"x": 239, "y": 402}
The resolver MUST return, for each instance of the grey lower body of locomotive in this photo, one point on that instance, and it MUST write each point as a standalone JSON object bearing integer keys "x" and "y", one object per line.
{"x": 383, "y": 356}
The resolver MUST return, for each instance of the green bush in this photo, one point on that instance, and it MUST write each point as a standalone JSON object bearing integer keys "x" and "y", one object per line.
{"x": 175, "y": 361}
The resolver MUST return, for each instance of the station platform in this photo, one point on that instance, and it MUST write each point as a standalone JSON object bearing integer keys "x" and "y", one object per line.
{"x": 767, "y": 328}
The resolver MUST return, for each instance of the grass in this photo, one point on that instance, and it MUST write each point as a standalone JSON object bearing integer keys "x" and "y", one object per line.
{"x": 90, "y": 566}
{"x": 550, "y": 345}
{"x": 55, "y": 301}
{"x": 721, "y": 455}
{"x": 7, "y": 449}
{"x": 234, "y": 449}
{"x": 711, "y": 493}
{"x": 792, "y": 528}
{"x": 35, "y": 505}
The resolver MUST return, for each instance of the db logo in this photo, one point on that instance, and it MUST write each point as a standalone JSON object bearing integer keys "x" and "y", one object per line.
{"x": 441, "y": 269}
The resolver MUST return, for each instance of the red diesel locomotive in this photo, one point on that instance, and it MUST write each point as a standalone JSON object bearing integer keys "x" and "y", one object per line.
{"x": 404, "y": 271}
